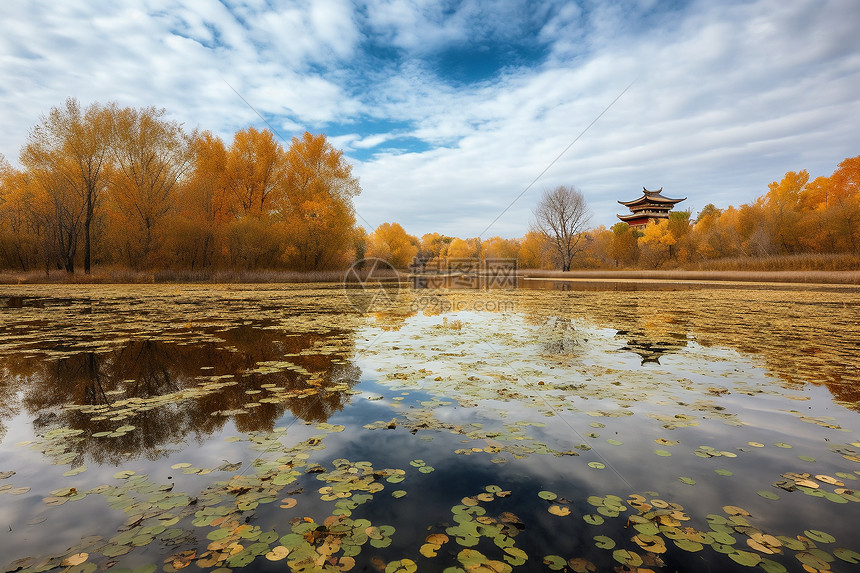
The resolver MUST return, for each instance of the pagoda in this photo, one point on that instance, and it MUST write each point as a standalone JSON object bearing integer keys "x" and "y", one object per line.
{"x": 652, "y": 205}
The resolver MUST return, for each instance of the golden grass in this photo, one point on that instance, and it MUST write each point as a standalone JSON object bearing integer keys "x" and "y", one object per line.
{"x": 800, "y": 276}
{"x": 129, "y": 276}
{"x": 800, "y": 262}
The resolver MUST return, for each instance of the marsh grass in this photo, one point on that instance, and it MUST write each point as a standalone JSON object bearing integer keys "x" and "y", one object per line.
{"x": 802, "y": 268}
{"x": 774, "y": 276}
{"x": 130, "y": 276}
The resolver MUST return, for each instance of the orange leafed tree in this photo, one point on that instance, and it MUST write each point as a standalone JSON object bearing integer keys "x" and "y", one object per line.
{"x": 196, "y": 229}
{"x": 255, "y": 172}
{"x": 317, "y": 205}
{"x": 68, "y": 153}
{"x": 151, "y": 156}
{"x": 390, "y": 242}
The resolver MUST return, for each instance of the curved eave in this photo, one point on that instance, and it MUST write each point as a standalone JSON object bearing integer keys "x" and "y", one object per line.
{"x": 635, "y": 217}
{"x": 644, "y": 199}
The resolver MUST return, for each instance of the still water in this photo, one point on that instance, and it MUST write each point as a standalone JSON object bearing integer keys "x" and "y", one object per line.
{"x": 263, "y": 427}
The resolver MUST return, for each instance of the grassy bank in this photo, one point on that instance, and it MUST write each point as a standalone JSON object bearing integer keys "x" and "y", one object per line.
{"x": 801, "y": 269}
{"x": 811, "y": 277}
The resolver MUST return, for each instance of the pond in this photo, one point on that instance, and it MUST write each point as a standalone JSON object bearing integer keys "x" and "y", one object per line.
{"x": 273, "y": 427}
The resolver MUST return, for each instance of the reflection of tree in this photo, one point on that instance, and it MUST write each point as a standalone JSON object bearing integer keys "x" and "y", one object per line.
{"x": 651, "y": 350}
{"x": 803, "y": 336}
{"x": 122, "y": 382}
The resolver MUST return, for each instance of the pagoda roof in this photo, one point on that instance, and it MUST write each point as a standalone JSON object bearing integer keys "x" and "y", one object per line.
{"x": 633, "y": 216}
{"x": 651, "y": 197}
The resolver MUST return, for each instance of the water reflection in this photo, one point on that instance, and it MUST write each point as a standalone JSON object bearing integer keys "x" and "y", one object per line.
{"x": 651, "y": 350}
{"x": 252, "y": 375}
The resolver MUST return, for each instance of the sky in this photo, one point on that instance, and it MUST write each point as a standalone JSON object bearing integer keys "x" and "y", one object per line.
{"x": 457, "y": 115}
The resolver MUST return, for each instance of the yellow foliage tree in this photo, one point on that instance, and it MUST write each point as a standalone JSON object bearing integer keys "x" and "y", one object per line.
{"x": 391, "y": 243}
{"x": 317, "y": 208}
{"x": 68, "y": 155}
{"x": 499, "y": 248}
{"x": 151, "y": 155}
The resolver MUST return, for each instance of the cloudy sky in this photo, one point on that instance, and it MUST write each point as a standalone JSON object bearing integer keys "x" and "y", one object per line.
{"x": 451, "y": 110}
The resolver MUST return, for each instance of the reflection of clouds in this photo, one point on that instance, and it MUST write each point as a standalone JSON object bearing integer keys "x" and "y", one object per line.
{"x": 702, "y": 391}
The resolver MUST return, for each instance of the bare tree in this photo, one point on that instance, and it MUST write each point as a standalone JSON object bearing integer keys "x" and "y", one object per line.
{"x": 561, "y": 217}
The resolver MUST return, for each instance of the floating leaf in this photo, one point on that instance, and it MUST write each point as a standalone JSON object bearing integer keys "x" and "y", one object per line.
{"x": 604, "y": 542}
{"x": 663, "y": 453}
{"x": 547, "y": 495}
{"x": 746, "y": 558}
{"x": 687, "y": 480}
{"x": 767, "y": 494}
{"x": 75, "y": 471}
{"x": 554, "y": 562}
{"x": 771, "y": 566}
{"x": 397, "y": 494}
{"x": 820, "y": 536}
{"x": 402, "y": 566}
{"x": 75, "y": 559}
{"x": 723, "y": 472}
{"x": 592, "y": 519}
{"x": 559, "y": 510}
{"x": 596, "y": 465}
{"x": 688, "y": 545}
{"x": 580, "y": 565}
{"x": 628, "y": 558}
{"x": 847, "y": 555}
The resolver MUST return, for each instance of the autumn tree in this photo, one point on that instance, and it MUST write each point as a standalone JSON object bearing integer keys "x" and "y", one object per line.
{"x": 196, "y": 230}
{"x": 21, "y": 234}
{"x": 782, "y": 212}
{"x": 256, "y": 171}
{"x": 465, "y": 249}
{"x": 561, "y": 216}
{"x": 68, "y": 154}
{"x": 535, "y": 251}
{"x": 434, "y": 246}
{"x": 499, "y": 248}
{"x": 623, "y": 247}
{"x": 317, "y": 205}
{"x": 390, "y": 242}
{"x": 834, "y": 206}
{"x": 151, "y": 155}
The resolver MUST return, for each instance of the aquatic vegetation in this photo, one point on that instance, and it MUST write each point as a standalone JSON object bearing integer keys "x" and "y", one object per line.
{"x": 262, "y": 427}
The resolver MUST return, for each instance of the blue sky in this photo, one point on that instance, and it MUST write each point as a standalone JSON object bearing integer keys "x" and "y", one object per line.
{"x": 450, "y": 110}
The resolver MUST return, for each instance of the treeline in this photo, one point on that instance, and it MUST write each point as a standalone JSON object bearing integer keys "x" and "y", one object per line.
{"x": 126, "y": 187}
{"x": 798, "y": 221}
